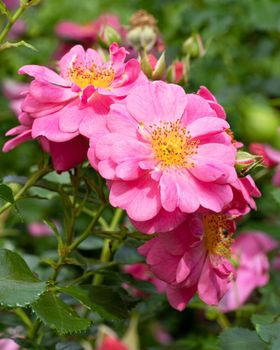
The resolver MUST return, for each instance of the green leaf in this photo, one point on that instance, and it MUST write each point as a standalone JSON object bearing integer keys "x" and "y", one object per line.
{"x": 108, "y": 302}
{"x": 241, "y": 339}
{"x": 267, "y": 326}
{"x": 18, "y": 285}
{"x": 104, "y": 300}
{"x": 54, "y": 313}
{"x": 6, "y": 193}
{"x": 276, "y": 344}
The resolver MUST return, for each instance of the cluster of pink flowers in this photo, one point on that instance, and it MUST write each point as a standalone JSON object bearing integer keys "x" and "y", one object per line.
{"x": 168, "y": 158}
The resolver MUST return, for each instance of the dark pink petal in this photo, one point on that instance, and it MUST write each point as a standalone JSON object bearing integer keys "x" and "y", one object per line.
{"x": 211, "y": 288}
{"x": 180, "y": 297}
{"x": 276, "y": 178}
{"x": 67, "y": 155}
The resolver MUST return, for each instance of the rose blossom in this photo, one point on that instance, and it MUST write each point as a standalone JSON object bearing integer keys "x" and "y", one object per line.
{"x": 166, "y": 153}
{"x": 250, "y": 252}
{"x": 112, "y": 343}
{"x": 271, "y": 159}
{"x": 62, "y": 110}
{"x": 86, "y": 34}
{"x": 142, "y": 272}
{"x": 244, "y": 190}
{"x": 8, "y": 344}
{"x": 193, "y": 257}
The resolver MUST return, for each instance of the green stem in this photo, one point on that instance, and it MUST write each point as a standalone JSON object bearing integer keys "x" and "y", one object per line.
{"x": 223, "y": 321}
{"x": 33, "y": 179}
{"x": 88, "y": 230}
{"x": 11, "y": 22}
{"x": 25, "y": 319}
{"x": 105, "y": 257}
{"x": 106, "y": 251}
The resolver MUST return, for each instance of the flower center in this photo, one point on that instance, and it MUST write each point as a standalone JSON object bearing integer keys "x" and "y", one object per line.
{"x": 94, "y": 75}
{"x": 172, "y": 145}
{"x": 217, "y": 236}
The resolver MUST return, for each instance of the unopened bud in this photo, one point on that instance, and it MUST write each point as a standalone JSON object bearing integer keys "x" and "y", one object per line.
{"x": 193, "y": 46}
{"x": 147, "y": 65}
{"x": 246, "y": 161}
{"x": 159, "y": 69}
{"x": 109, "y": 36}
{"x": 177, "y": 72}
{"x": 142, "y": 37}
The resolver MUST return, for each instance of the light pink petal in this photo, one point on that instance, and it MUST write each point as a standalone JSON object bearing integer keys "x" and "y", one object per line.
{"x": 49, "y": 93}
{"x": 188, "y": 198}
{"x": 180, "y": 297}
{"x": 207, "y": 126}
{"x": 75, "y": 55}
{"x": 211, "y": 196}
{"x": 162, "y": 222}
{"x": 215, "y": 162}
{"x": 272, "y": 154}
{"x": 11, "y": 144}
{"x": 105, "y": 167}
{"x": 92, "y": 56}
{"x": 74, "y": 31}
{"x": 43, "y": 74}
{"x": 207, "y": 95}
{"x": 156, "y": 101}
{"x": 49, "y": 127}
{"x": 120, "y": 121}
{"x": 168, "y": 193}
{"x": 196, "y": 108}
{"x": 252, "y": 243}
{"x": 17, "y": 130}
{"x": 128, "y": 149}
{"x": 37, "y": 109}
{"x": 128, "y": 170}
{"x": 140, "y": 198}
{"x": 70, "y": 117}
{"x": 117, "y": 54}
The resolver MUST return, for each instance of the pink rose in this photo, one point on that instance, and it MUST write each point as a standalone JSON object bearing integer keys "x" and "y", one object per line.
{"x": 165, "y": 154}
{"x": 250, "y": 251}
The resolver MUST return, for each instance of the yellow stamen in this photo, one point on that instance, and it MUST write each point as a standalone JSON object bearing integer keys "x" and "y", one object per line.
{"x": 217, "y": 238}
{"x": 94, "y": 75}
{"x": 172, "y": 145}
